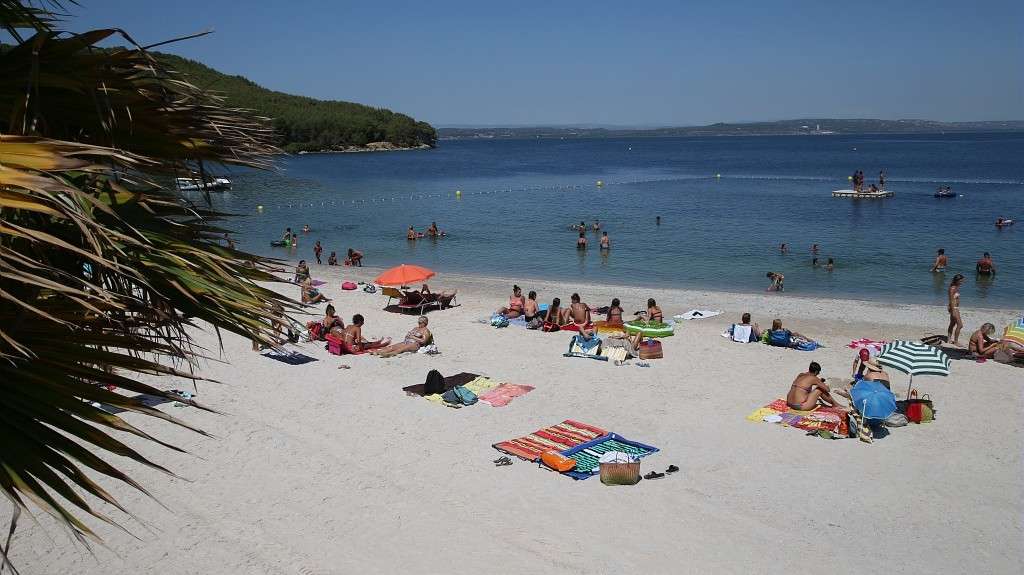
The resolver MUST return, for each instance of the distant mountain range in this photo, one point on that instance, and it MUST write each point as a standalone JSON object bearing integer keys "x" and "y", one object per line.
{"x": 808, "y": 126}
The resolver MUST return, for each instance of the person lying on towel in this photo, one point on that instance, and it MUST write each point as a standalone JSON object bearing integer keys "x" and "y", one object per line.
{"x": 417, "y": 337}
{"x": 352, "y": 335}
{"x": 809, "y": 390}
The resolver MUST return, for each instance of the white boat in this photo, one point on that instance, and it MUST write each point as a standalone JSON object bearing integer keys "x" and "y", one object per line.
{"x": 196, "y": 184}
{"x": 863, "y": 195}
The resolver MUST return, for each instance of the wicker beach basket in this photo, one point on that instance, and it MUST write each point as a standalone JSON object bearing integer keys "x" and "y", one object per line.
{"x": 620, "y": 473}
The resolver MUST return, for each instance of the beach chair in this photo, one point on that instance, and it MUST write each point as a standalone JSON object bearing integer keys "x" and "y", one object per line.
{"x": 414, "y": 300}
{"x": 392, "y": 293}
{"x": 442, "y": 300}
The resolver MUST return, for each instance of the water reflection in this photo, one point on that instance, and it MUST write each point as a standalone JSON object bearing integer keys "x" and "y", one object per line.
{"x": 983, "y": 283}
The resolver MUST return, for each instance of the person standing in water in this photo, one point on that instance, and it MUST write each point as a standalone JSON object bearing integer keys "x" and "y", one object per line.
{"x": 783, "y": 248}
{"x": 317, "y": 250}
{"x": 411, "y": 234}
{"x": 940, "y": 261}
{"x": 881, "y": 179}
{"x": 955, "y": 323}
{"x": 985, "y": 265}
{"x": 606, "y": 243}
{"x": 581, "y": 242}
{"x": 657, "y": 220}
{"x": 830, "y": 265}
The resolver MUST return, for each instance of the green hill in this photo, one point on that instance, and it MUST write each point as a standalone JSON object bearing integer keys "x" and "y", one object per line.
{"x": 308, "y": 124}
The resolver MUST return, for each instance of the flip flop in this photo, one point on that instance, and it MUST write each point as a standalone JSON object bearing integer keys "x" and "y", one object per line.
{"x": 502, "y": 458}
{"x": 671, "y": 469}
{"x": 503, "y": 463}
{"x": 654, "y": 475}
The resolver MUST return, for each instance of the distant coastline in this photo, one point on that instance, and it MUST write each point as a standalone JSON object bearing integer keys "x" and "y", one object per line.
{"x": 371, "y": 147}
{"x": 799, "y": 127}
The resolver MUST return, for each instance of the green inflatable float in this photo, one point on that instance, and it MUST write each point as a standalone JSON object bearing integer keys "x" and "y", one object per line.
{"x": 649, "y": 329}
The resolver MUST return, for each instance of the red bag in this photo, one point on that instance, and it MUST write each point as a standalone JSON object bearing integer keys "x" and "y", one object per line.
{"x": 333, "y": 344}
{"x": 348, "y": 286}
{"x": 914, "y": 412}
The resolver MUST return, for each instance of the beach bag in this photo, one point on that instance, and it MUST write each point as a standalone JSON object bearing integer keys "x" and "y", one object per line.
{"x": 459, "y": 395}
{"x": 315, "y": 331}
{"x": 920, "y": 410}
{"x": 333, "y": 344}
{"x": 434, "y": 383}
{"x": 535, "y": 323}
{"x": 650, "y": 349}
{"x": 499, "y": 321}
{"x": 348, "y": 286}
{"x": 779, "y": 337}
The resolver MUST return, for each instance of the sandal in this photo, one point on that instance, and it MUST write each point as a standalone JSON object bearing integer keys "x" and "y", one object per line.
{"x": 503, "y": 463}
{"x": 654, "y": 475}
{"x": 501, "y": 459}
{"x": 671, "y": 469}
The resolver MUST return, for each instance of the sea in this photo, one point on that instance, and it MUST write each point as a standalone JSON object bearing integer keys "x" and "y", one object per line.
{"x": 725, "y": 206}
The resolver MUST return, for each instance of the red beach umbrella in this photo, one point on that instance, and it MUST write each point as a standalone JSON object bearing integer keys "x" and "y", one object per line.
{"x": 404, "y": 274}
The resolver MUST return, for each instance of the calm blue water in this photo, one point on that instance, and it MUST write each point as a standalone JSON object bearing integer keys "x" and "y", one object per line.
{"x": 518, "y": 198}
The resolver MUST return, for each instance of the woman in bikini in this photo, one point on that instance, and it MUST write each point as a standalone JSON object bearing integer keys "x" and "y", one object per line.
{"x": 654, "y": 312}
{"x": 417, "y": 337}
{"x": 555, "y": 316}
{"x": 955, "y": 323}
{"x": 982, "y": 345}
{"x": 614, "y": 316}
{"x": 353, "y": 336}
{"x": 809, "y": 389}
{"x": 581, "y": 242}
{"x": 326, "y": 324}
{"x": 516, "y": 304}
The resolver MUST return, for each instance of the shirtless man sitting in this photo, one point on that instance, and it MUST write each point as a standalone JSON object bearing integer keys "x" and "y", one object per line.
{"x": 353, "y": 336}
{"x": 579, "y": 312}
{"x": 809, "y": 390}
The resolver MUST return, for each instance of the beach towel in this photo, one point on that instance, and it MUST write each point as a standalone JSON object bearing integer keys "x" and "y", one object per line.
{"x": 289, "y": 357}
{"x": 315, "y": 283}
{"x": 830, "y": 419}
{"x": 478, "y": 386}
{"x": 697, "y": 314}
{"x": 873, "y": 347}
{"x": 504, "y": 394}
{"x": 587, "y": 455}
{"x": 567, "y": 434}
{"x": 741, "y": 333}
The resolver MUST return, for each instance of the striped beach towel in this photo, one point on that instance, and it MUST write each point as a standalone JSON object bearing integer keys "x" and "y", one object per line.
{"x": 559, "y": 437}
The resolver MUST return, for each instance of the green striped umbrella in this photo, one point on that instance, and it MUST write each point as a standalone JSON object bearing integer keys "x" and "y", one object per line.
{"x": 914, "y": 358}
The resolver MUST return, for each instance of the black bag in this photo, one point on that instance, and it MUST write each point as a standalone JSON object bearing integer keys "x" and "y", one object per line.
{"x": 434, "y": 383}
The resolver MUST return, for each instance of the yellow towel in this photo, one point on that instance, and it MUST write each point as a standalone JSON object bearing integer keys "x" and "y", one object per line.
{"x": 478, "y": 386}
{"x": 758, "y": 414}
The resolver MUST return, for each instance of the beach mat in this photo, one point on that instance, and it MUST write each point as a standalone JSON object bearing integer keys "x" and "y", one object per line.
{"x": 291, "y": 357}
{"x": 449, "y": 382}
{"x": 559, "y": 437}
{"x": 586, "y": 455}
{"x": 478, "y": 386}
{"x": 820, "y": 418}
{"x": 504, "y": 394}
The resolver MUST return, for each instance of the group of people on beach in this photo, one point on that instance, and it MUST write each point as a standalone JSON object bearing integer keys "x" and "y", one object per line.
{"x": 577, "y": 316}
{"x": 981, "y": 344}
{"x": 351, "y": 335}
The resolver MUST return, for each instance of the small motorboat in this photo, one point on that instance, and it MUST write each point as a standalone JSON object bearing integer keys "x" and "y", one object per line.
{"x": 196, "y": 184}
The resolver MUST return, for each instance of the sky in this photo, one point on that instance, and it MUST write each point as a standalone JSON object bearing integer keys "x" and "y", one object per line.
{"x": 617, "y": 63}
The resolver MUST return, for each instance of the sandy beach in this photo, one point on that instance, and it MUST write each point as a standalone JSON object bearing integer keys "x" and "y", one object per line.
{"x": 314, "y": 469}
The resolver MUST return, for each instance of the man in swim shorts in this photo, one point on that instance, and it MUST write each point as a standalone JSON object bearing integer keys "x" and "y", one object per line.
{"x": 985, "y": 266}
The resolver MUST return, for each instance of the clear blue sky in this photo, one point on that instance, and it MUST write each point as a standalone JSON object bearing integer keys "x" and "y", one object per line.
{"x": 595, "y": 62}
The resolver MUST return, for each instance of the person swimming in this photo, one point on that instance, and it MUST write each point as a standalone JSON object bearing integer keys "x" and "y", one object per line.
{"x": 777, "y": 281}
{"x": 940, "y": 261}
{"x": 305, "y": 229}
{"x": 830, "y": 265}
{"x": 597, "y": 225}
{"x": 783, "y": 248}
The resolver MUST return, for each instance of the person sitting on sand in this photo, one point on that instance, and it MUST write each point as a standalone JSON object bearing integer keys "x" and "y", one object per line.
{"x": 353, "y": 336}
{"x": 581, "y": 242}
{"x": 579, "y": 312}
{"x": 516, "y": 304}
{"x": 530, "y": 309}
{"x": 555, "y": 316}
{"x": 777, "y": 281}
{"x": 301, "y": 272}
{"x": 985, "y": 266}
{"x": 653, "y": 313}
{"x": 809, "y": 390}
{"x": 332, "y": 260}
{"x": 606, "y": 243}
{"x": 355, "y": 258}
{"x": 615, "y": 310}
{"x": 781, "y": 334}
{"x": 326, "y": 323}
{"x": 866, "y": 368}
{"x": 940, "y": 261}
{"x": 411, "y": 234}
{"x": 982, "y": 345}
{"x": 417, "y": 337}
{"x": 311, "y": 295}
{"x": 755, "y": 330}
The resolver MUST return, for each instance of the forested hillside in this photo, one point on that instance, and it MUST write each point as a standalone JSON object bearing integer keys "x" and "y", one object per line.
{"x": 308, "y": 124}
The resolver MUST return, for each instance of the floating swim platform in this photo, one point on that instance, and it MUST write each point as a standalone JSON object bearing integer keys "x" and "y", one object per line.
{"x": 863, "y": 195}
{"x": 652, "y": 329}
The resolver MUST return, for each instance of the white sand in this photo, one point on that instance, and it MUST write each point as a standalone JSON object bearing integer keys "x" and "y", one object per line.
{"x": 320, "y": 470}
